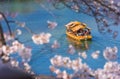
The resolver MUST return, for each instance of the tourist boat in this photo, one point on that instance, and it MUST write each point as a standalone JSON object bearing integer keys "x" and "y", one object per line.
{"x": 78, "y": 31}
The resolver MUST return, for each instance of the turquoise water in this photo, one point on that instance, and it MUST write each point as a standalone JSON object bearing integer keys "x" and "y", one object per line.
{"x": 36, "y": 18}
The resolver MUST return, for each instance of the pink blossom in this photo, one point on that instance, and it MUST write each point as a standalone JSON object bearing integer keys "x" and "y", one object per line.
{"x": 71, "y": 49}
{"x": 55, "y": 44}
{"x": 25, "y": 54}
{"x": 51, "y": 24}
{"x": 83, "y": 54}
{"x": 8, "y": 37}
{"x": 21, "y": 24}
{"x": 41, "y": 38}
{"x": 27, "y": 67}
{"x": 95, "y": 54}
{"x": 14, "y": 63}
{"x": 19, "y": 32}
{"x": 110, "y": 53}
{"x": 1, "y": 17}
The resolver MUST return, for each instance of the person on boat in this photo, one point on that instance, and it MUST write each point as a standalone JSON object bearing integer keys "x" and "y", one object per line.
{"x": 86, "y": 31}
{"x": 80, "y": 32}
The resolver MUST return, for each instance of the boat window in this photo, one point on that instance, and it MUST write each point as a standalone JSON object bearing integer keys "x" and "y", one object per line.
{"x": 82, "y": 32}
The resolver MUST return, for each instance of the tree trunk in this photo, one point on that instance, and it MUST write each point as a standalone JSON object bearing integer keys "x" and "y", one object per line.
{"x": 2, "y": 40}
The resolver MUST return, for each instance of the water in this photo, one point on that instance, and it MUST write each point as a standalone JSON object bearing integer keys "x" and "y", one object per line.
{"x": 36, "y": 15}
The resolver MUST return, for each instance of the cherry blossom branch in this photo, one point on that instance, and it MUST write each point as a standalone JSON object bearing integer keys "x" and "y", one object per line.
{"x": 7, "y": 22}
{"x": 108, "y": 7}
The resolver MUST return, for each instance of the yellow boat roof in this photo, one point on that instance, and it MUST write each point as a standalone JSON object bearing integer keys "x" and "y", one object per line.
{"x": 75, "y": 25}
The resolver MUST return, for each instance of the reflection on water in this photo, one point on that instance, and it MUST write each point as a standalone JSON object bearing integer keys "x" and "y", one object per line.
{"x": 79, "y": 45}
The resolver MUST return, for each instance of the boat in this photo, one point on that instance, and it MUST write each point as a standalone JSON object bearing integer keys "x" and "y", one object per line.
{"x": 78, "y": 31}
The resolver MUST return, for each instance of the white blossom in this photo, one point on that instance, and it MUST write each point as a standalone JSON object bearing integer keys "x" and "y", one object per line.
{"x": 41, "y": 38}
{"x": 17, "y": 46}
{"x": 71, "y": 49}
{"x": 25, "y": 54}
{"x": 14, "y": 63}
{"x": 76, "y": 65}
{"x": 27, "y": 67}
{"x": 21, "y": 24}
{"x": 51, "y": 24}
{"x": 6, "y": 49}
{"x": 1, "y": 17}
{"x": 9, "y": 37}
{"x": 110, "y": 53}
{"x": 82, "y": 54}
{"x": 19, "y": 32}
{"x": 55, "y": 44}
{"x": 95, "y": 54}
{"x": 5, "y": 58}
{"x": 110, "y": 71}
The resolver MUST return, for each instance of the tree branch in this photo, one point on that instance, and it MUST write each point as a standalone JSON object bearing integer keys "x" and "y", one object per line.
{"x": 7, "y": 22}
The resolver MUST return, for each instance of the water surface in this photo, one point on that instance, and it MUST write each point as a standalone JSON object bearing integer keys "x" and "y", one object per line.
{"x": 36, "y": 15}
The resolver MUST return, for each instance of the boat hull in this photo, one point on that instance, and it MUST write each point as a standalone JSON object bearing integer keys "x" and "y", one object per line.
{"x": 79, "y": 38}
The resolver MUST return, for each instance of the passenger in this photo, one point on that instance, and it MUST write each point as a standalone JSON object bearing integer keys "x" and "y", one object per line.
{"x": 80, "y": 32}
{"x": 86, "y": 31}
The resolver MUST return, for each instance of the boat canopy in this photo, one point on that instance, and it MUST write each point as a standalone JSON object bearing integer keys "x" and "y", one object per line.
{"x": 72, "y": 24}
{"x": 75, "y": 26}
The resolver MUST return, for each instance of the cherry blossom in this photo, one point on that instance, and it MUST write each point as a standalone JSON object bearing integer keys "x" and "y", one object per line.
{"x": 82, "y": 54}
{"x": 95, "y": 54}
{"x": 6, "y": 49}
{"x": 1, "y": 17}
{"x": 71, "y": 49}
{"x": 25, "y": 54}
{"x": 41, "y": 38}
{"x": 118, "y": 4}
{"x": 27, "y": 67}
{"x": 14, "y": 63}
{"x": 55, "y": 44}
{"x": 1, "y": 51}
{"x": 21, "y": 24}
{"x": 75, "y": 7}
{"x": 17, "y": 46}
{"x": 37, "y": 39}
{"x": 5, "y": 58}
{"x": 19, "y": 32}
{"x": 51, "y": 24}
{"x": 110, "y": 71}
{"x": 110, "y": 53}
{"x": 76, "y": 65}
{"x": 55, "y": 70}
{"x": 9, "y": 37}
{"x": 82, "y": 70}
{"x": 56, "y": 60}
{"x": 65, "y": 75}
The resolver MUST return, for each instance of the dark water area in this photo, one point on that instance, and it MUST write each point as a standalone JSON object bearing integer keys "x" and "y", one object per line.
{"x": 36, "y": 15}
